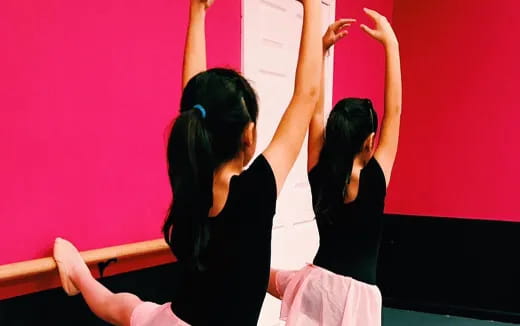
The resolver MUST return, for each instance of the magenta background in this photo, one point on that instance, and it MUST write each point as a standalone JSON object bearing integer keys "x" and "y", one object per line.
{"x": 459, "y": 145}
{"x": 359, "y": 61}
{"x": 87, "y": 91}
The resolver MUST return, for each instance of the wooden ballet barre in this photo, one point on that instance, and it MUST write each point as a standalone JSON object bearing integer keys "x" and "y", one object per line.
{"x": 138, "y": 253}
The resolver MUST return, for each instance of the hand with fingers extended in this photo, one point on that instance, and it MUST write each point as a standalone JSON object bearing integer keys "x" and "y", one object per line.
{"x": 382, "y": 32}
{"x": 335, "y": 32}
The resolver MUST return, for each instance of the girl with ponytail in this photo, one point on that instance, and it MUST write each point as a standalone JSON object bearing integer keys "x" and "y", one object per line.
{"x": 220, "y": 219}
{"x": 348, "y": 178}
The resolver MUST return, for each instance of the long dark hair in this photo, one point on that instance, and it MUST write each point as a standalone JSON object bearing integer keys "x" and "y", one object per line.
{"x": 350, "y": 122}
{"x": 216, "y": 106}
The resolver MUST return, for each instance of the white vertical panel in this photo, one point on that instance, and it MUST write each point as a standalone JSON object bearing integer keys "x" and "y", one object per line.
{"x": 270, "y": 44}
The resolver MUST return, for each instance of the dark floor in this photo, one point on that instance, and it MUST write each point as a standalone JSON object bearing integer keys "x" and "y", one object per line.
{"x": 397, "y": 317}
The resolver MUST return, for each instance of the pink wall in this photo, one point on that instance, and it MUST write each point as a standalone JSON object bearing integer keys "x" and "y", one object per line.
{"x": 87, "y": 91}
{"x": 359, "y": 60}
{"x": 458, "y": 153}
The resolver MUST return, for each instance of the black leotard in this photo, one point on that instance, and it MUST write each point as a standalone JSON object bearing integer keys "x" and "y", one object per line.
{"x": 349, "y": 242}
{"x": 232, "y": 289}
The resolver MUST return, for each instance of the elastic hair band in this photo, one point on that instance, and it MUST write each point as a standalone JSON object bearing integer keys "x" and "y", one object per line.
{"x": 201, "y": 109}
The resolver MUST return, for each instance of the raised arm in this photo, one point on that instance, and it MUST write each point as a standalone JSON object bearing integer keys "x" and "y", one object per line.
{"x": 288, "y": 138}
{"x": 334, "y": 33}
{"x": 195, "y": 48}
{"x": 388, "y": 141}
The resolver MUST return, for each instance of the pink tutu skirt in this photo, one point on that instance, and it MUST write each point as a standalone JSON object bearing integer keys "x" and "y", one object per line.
{"x": 314, "y": 296}
{"x": 152, "y": 314}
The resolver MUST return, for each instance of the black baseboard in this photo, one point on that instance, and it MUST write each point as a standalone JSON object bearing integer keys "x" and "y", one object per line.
{"x": 451, "y": 266}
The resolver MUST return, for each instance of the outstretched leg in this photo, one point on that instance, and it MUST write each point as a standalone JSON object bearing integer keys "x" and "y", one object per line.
{"x": 76, "y": 277}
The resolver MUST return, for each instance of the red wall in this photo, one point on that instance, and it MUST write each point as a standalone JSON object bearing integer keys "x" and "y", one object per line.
{"x": 87, "y": 90}
{"x": 458, "y": 152}
{"x": 359, "y": 60}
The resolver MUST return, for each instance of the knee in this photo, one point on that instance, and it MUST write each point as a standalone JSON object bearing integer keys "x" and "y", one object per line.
{"x": 122, "y": 306}
{"x": 272, "y": 288}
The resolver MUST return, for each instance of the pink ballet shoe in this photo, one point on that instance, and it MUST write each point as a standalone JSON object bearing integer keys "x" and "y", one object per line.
{"x": 66, "y": 257}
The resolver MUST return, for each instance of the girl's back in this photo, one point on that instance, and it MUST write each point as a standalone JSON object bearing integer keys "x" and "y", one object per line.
{"x": 238, "y": 256}
{"x": 350, "y": 237}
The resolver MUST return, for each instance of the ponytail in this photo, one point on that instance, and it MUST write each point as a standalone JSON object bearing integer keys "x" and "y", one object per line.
{"x": 350, "y": 122}
{"x": 216, "y": 106}
{"x": 335, "y": 167}
{"x": 186, "y": 228}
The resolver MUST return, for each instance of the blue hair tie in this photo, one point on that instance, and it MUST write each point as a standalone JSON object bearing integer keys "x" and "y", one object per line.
{"x": 201, "y": 109}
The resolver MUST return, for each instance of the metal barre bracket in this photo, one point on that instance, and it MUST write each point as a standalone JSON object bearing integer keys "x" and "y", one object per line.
{"x": 104, "y": 264}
